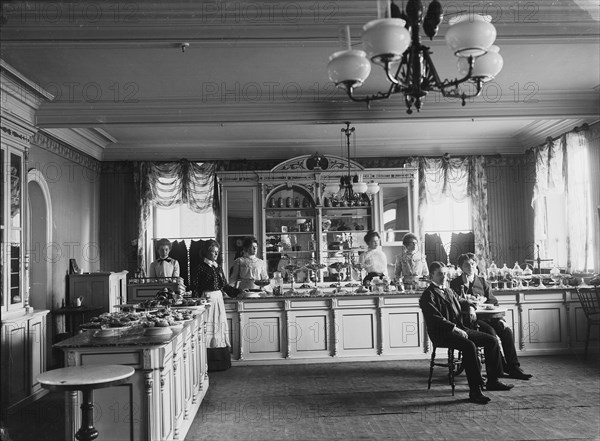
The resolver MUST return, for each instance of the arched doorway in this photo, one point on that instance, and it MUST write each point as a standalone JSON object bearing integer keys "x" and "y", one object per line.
{"x": 39, "y": 236}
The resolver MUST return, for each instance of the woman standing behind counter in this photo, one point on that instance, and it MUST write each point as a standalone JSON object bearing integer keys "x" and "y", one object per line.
{"x": 209, "y": 281}
{"x": 249, "y": 267}
{"x": 373, "y": 260}
{"x": 410, "y": 263}
{"x": 166, "y": 266}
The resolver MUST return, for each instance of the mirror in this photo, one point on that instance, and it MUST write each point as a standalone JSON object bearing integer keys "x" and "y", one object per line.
{"x": 395, "y": 211}
{"x": 240, "y": 211}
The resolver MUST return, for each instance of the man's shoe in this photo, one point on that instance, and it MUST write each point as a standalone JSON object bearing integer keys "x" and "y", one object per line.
{"x": 497, "y": 385}
{"x": 478, "y": 398}
{"x": 518, "y": 374}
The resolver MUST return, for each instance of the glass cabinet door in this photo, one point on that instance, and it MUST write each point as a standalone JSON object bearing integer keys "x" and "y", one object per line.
{"x": 15, "y": 229}
{"x": 290, "y": 228}
{"x": 395, "y": 211}
{"x": 11, "y": 223}
{"x": 2, "y": 231}
{"x": 240, "y": 214}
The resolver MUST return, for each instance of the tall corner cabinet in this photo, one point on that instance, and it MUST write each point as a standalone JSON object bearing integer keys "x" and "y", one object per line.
{"x": 23, "y": 330}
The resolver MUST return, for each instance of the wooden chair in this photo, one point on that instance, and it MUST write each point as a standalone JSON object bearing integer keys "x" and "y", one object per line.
{"x": 590, "y": 301}
{"x": 453, "y": 364}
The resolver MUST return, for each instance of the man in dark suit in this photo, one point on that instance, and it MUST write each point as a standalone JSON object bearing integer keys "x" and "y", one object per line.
{"x": 471, "y": 290}
{"x": 443, "y": 317}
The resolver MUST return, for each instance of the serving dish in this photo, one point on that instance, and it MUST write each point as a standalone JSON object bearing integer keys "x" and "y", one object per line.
{"x": 110, "y": 332}
{"x": 155, "y": 330}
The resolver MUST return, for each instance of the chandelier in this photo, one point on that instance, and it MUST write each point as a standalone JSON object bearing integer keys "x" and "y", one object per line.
{"x": 351, "y": 191}
{"x": 395, "y": 44}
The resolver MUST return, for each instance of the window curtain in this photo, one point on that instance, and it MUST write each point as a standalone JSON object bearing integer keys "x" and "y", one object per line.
{"x": 166, "y": 184}
{"x": 457, "y": 178}
{"x": 563, "y": 215}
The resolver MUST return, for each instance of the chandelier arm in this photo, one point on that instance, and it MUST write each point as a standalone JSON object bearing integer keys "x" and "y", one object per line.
{"x": 393, "y": 78}
{"x": 456, "y": 93}
{"x": 367, "y": 99}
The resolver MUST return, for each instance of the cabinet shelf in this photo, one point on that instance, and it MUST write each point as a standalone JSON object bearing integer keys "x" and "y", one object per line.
{"x": 289, "y": 252}
{"x": 290, "y": 209}
{"x": 354, "y": 250}
{"x": 271, "y": 233}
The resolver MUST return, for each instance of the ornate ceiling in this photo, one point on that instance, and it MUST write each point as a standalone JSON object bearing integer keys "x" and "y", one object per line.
{"x": 252, "y": 82}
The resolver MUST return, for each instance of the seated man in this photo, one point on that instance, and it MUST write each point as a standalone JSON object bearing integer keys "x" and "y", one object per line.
{"x": 472, "y": 289}
{"x": 442, "y": 314}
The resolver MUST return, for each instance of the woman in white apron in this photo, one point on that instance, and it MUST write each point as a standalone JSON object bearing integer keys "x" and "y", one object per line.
{"x": 248, "y": 268}
{"x": 209, "y": 281}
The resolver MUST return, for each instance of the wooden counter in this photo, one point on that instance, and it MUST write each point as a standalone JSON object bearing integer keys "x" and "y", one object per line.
{"x": 160, "y": 400}
{"x": 386, "y": 325}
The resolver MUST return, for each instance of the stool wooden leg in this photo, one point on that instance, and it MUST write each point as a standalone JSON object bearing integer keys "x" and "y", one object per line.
{"x": 431, "y": 364}
{"x": 87, "y": 432}
{"x": 451, "y": 369}
{"x": 587, "y": 340}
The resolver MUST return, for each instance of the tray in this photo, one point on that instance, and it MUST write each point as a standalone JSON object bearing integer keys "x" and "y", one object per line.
{"x": 154, "y": 331}
{"x": 110, "y": 332}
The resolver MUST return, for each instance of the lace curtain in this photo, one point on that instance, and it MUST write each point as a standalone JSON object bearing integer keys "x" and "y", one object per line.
{"x": 563, "y": 215}
{"x": 166, "y": 184}
{"x": 459, "y": 179}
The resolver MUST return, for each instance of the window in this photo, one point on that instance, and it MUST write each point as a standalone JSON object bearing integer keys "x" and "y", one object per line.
{"x": 448, "y": 230}
{"x": 562, "y": 203}
{"x": 564, "y": 220}
{"x": 181, "y": 222}
{"x": 183, "y": 227}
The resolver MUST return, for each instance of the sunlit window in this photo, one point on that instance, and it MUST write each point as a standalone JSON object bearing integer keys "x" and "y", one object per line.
{"x": 448, "y": 230}
{"x": 181, "y": 222}
{"x": 449, "y": 217}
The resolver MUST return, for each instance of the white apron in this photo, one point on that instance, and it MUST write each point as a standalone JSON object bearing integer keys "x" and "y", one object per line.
{"x": 217, "y": 334}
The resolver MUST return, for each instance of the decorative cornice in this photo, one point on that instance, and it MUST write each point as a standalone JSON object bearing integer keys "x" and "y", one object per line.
{"x": 14, "y": 133}
{"x": 220, "y": 22}
{"x": 509, "y": 160}
{"x": 45, "y": 142}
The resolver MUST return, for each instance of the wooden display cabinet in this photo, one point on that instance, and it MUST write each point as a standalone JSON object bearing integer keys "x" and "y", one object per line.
{"x": 296, "y": 223}
{"x": 23, "y": 330}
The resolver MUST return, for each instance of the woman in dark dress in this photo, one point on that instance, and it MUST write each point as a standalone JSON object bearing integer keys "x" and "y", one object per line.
{"x": 208, "y": 281}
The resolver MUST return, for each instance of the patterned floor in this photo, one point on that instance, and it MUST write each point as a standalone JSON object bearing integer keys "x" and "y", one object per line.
{"x": 375, "y": 400}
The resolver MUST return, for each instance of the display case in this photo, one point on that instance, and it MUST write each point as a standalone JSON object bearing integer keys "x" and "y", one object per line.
{"x": 303, "y": 222}
{"x": 291, "y": 222}
{"x": 342, "y": 239}
{"x": 13, "y": 294}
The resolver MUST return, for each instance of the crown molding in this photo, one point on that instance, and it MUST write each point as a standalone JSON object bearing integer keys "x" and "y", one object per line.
{"x": 91, "y": 141}
{"x": 172, "y": 112}
{"x": 119, "y": 24}
{"x": 58, "y": 147}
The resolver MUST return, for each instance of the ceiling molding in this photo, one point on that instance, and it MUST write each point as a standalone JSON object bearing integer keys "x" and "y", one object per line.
{"x": 183, "y": 112}
{"x": 88, "y": 141}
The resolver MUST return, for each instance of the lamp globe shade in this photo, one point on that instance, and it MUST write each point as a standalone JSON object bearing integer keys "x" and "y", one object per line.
{"x": 485, "y": 67}
{"x": 385, "y": 39}
{"x": 359, "y": 187}
{"x": 331, "y": 188}
{"x": 470, "y": 34}
{"x": 372, "y": 188}
{"x": 348, "y": 68}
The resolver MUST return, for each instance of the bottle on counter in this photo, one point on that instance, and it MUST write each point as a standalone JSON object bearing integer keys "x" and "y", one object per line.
{"x": 277, "y": 283}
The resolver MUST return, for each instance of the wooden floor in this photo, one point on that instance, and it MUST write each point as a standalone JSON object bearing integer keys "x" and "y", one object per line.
{"x": 375, "y": 401}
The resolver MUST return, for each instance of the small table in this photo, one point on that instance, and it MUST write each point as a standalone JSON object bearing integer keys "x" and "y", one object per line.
{"x": 487, "y": 314}
{"x": 85, "y": 379}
